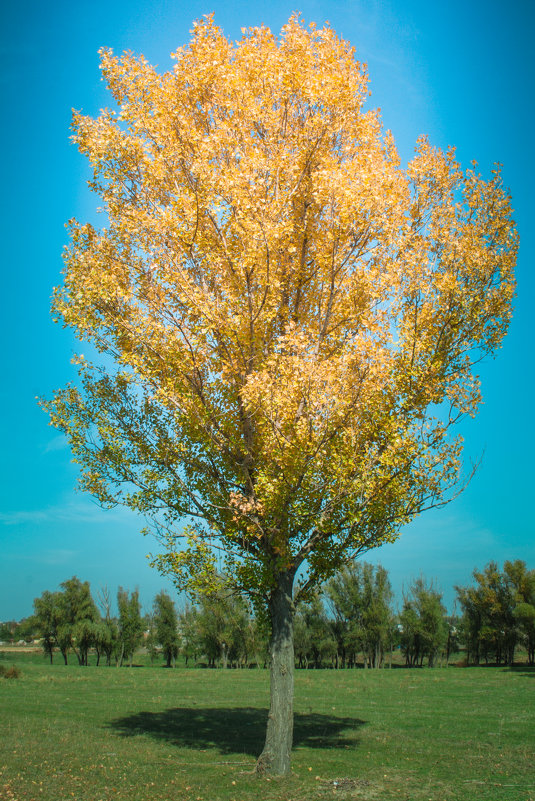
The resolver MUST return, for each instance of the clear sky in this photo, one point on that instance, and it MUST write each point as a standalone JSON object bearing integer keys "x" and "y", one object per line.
{"x": 461, "y": 72}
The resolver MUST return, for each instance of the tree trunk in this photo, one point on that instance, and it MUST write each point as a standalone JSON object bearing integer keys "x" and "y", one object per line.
{"x": 275, "y": 758}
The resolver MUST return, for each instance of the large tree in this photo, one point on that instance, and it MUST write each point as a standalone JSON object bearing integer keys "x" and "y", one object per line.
{"x": 292, "y": 317}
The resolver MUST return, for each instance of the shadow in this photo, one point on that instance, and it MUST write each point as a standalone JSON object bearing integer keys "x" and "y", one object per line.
{"x": 525, "y": 670}
{"x": 236, "y": 730}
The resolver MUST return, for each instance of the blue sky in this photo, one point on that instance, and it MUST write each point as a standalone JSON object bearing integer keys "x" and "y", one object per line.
{"x": 463, "y": 73}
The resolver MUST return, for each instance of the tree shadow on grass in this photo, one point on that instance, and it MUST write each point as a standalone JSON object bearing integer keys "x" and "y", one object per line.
{"x": 235, "y": 730}
{"x": 525, "y": 670}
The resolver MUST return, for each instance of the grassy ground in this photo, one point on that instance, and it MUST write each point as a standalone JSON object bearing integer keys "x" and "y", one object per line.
{"x": 192, "y": 735}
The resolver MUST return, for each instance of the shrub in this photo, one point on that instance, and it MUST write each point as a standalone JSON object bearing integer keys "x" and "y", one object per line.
{"x": 12, "y": 672}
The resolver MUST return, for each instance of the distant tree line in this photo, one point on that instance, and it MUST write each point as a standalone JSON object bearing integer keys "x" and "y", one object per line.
{"x": 69, "y": 621}
{"x": 351, "y": 621}
{"x": 498, "y": 614}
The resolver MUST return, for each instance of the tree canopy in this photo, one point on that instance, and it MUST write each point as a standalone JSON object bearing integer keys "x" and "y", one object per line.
{"x": 293, "y": 318}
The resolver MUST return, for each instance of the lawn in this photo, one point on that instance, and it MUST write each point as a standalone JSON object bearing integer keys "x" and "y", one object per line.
{"x": 140, "y": 733}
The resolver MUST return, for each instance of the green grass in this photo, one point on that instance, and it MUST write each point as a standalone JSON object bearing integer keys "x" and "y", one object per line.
{"x": 182, "y": 735}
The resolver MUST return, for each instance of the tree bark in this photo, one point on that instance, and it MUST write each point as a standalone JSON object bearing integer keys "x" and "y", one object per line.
{"x": 275, "y": 758}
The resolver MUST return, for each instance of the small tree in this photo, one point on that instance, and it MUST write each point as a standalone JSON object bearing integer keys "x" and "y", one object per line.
{"x": 165, "y": 627}
{"x": 107, "y": 633}
{"x": 130, "y": 628}
{"x": 424, "y": 624}
{"x": 314, "y": 638}
{"x": 302, "y": 639}
{"x": 521, "y": 582}
{"x": 80, "y": 617}
{"x": 67, "y": 619}
{"x": 360, "y": 597}
{"x": 47, "y": 615}
{"x": 64, "y": 637}
{"x": 453, "y": 623}
{"x": 223, "y": 628}
{"x": 189, "y": 633}
{"x": 471, "y": 622}
{"x": 7, "y": 630}
{"x": 525, "y": 616}
{"x": 377, "y": 619}
{"x": 104, "y": 639}
{"x": 293, "y": 316}
{"x": 27, "y": 629}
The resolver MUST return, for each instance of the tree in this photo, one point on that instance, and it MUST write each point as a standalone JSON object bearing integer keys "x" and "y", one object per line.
{"x": 453, "y": 623}
{"x": 360, "y": 597}
{"x": 525, "y": 616}
{"x": 47, "y": 614}
{"x": 165, "y": 623}
{"x": 291, "y": 318}
{"x": 130, "y": 629}
{"x": 378, "y": 619}
{"x": 7, "y": 631}
{"x": 484, "y": 608}
{"x": 67, "y": 619}
{"x": 107, "y": 634}
{"x": 224, "y": 629}
{"x": 104, "y": 639}
{"x": 521, "y": 583}
{"x": 424, "y": 625}
{"x": 27, "y": 629}
{"x": 313, "y": 635}
{"x": 189, "y": 633}
{"x": 80, "y": 617}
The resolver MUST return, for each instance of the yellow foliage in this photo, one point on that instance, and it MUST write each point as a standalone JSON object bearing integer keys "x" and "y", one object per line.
{"x": 295, "y": 316}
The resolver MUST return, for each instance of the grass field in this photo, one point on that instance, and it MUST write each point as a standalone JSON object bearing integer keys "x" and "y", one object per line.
{"x": 150, "y": 734}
